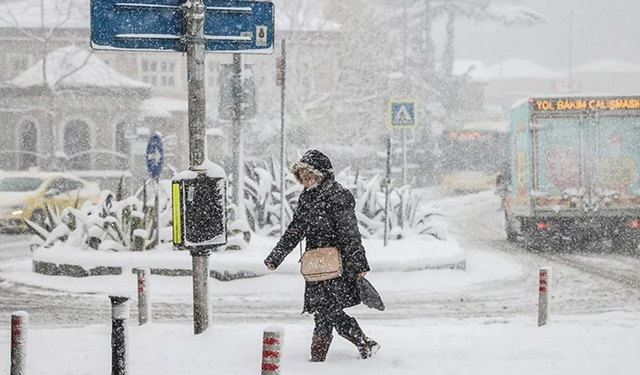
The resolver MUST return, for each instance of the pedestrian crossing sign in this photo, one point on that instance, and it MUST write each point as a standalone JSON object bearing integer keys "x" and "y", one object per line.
{"x": 402, "y": 114}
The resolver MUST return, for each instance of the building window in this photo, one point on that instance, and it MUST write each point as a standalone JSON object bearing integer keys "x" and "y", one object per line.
{"x": 17, "y": 63}
{"x": 77, "y": 144}
{"x": 28, "y": 146}
{"x": 161, "y": 73}
{"x": 122, "y": 144}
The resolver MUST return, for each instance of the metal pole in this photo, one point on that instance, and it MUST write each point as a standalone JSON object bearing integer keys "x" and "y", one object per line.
{"x": 283, "y": 65}
{"x": 569, "y": 84}
{"x": 404, "y": 37}
{"x": 386, "y": 192}
{"x": 237, "y": 133}
{"x": 119, "y": 332}
{"x": 404, "y": 157}
{"x": 194, "y": 40}
{"x": 194, "y": 13}
{"x": 19, "y": 321}
{"x": 156, "y": 207}
{"x": 200, "y": 267}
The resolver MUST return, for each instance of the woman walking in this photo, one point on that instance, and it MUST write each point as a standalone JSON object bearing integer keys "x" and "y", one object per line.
{"x": 325, "y": 216}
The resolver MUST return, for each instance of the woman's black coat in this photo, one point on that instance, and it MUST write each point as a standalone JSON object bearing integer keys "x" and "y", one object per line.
{"x": 326, "y": 217}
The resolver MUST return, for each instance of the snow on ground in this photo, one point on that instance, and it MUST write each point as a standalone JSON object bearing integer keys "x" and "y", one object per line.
{"x": 602, "y": 344}
{"x": 391, "y": 270}
{"x": 502, "y": 344}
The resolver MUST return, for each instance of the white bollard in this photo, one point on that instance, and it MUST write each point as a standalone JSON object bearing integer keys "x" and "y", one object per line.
{"x": 19, "y": 320}
{"x": 144, "y": 302}
{"x": 543, "y": 295}
{"x": 271, "y": 350}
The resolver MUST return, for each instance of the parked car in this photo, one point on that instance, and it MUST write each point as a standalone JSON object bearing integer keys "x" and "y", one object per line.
{"x": 25, "y": 195}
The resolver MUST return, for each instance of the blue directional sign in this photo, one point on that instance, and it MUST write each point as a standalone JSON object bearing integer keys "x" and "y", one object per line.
{"x": 155, "y": 156}
{"x": 157, "y": 25}
{"x": 402, "y": 113}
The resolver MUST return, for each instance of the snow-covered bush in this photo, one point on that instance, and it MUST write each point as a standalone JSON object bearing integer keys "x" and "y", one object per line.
{"x": 263, "y": 196}
{"x": 119, "y": 224}
{"x": 408, "y": 212}
{"x": 111, "y": 224}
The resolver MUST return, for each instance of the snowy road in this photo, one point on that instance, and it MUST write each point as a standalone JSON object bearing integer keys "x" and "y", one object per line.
{"x": 587, "y": 283}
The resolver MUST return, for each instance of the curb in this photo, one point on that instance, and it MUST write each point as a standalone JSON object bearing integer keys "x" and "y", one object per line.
{"x": 72, "y": 270}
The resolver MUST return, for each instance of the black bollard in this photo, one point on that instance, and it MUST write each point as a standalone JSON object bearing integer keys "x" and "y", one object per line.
{"x": 119, "y": 333}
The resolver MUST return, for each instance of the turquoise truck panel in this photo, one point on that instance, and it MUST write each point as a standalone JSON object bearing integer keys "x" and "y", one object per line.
{"x": 574, "y": 170}
{"x": 572, "y": 158}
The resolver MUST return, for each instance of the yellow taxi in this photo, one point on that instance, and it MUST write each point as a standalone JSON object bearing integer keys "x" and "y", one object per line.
{"x": 468, "y": 182}
{"x": 25, "y": 195}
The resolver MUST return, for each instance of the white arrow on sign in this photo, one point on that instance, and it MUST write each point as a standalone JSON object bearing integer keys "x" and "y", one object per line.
{"x": 154, "y": 156}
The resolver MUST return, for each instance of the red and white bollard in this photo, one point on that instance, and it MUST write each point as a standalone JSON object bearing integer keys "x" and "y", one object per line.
{"x": 19, "y": 320}
{"x": 543, "y": 295}
{"x": 271, "y": 350}
{"x": 144, "y": 302}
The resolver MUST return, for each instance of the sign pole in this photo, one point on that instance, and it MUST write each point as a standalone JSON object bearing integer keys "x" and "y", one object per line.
{"x": 404, "y": 157}
{"x": 194, "y": 11}
{"x": 156, "y": 207}
{"x": 155, "y": 161}
{"x": 283, "y": 65}
{"x": 386, "y": 192}
{"x": 238, "y": 141}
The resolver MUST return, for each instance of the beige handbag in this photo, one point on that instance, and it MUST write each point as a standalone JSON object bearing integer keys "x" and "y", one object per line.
{"x": 321, "y": 264}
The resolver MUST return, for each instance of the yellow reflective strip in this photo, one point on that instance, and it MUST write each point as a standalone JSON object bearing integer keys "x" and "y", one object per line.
{"x": 177, "y": 218}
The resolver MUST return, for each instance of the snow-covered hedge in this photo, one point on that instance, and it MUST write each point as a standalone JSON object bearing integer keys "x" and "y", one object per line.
{"x": 116, "y": 224}
{"x": 407, "y": 210}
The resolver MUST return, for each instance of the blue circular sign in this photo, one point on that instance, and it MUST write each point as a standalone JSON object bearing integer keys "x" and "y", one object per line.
{"x": 155, "y": 156}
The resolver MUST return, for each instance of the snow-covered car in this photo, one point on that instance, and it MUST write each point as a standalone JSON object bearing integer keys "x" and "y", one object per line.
{"x": 25, "y": 195}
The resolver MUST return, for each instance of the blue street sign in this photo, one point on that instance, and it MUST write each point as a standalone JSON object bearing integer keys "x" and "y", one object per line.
{"x": 155, "y": 156}
{"x": 156, "y": 25}
{"x": 402, "y": 113}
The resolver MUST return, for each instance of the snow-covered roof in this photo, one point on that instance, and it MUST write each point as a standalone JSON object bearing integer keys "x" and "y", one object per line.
{"x": 74, "y": 67}
{"x": 608, "y": 66}
{"x": 473, "y": 69}
{"x": 66, "y": 14}
{"x": 162, "y": 107}
{"x": 518, "y": 68}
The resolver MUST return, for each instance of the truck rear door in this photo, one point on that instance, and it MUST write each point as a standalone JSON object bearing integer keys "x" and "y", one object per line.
{"x": 617, "y": 159}
{"x": 559, "y": 162}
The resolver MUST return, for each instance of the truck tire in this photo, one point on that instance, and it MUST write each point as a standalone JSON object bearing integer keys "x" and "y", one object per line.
{"x": 625, "y": 244}
{"x": 531, "y": 241}
{"x": 512, "y": 235}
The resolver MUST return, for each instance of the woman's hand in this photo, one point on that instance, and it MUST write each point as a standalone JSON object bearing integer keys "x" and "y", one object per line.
{"x": 362, "y": 275}
{"x": 271, "y": 267}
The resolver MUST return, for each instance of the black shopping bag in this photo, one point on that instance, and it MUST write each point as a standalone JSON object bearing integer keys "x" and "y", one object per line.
{"x": 369, "y": 295}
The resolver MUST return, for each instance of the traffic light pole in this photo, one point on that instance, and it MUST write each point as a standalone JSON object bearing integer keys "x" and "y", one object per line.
{"x": 194, "y": 13}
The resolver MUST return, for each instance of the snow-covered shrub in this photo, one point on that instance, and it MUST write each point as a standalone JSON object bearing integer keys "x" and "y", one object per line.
{"x": 123, "y": 224}
{"x": 263, "y": 196}
{"x": 407, "y": 211}
{"x": 111, "y": 224}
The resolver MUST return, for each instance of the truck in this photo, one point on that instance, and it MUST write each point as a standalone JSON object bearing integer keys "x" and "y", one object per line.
{"x": 572, "y": 174}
